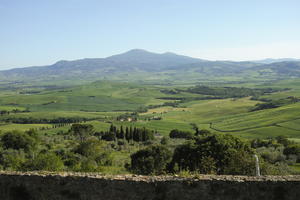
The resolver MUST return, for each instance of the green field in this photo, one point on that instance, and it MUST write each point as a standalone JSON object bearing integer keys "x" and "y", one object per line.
{"x": 22, "y": 127}
{"x": 103, "y": 101}
{"x": 158, "y": 107}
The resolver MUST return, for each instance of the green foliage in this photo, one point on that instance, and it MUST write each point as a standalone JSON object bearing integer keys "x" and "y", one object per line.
{"x": 202, "y": 132}
{"x": 208, "y": 165}
{"x": 276, "y": 169}
{"x": 91, "y": 147}
{"x": 46, "y": 162}
{"x": 71, "y": 160}
{"x": 240, "y": 163}
{"x": 175, "y": 133}
{"x": 12, "y": 159}
{"x": 18, "y": 140}
{"x": 32, "y": 120}
{"x": 275, "y": 103}
{"x": 164, "y": 141}
{"x": 152, "y": 160}
{"x": 271, "y": 155}
{"x": 130, "y": 134}
{"x": 88, "y": 165}
{"x": 219, "y": 150}
{"x": 262, "y": 106}
{"x": 82, "y": 131}
{"x": 281, "y": 139}
{"x": 293, "y": 149}
{"x": 174, "y": 106}
{"x": 229, "y": 92}
{"x": 92, "y": 156}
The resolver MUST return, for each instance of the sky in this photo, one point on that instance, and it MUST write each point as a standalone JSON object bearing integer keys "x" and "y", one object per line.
{"x": 42, "y": 32}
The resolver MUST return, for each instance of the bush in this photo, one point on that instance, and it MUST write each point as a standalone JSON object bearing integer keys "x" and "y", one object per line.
{"x": 292, "y": 149}
{"x": 47, "y": 162}
{"x": 275, "y": 169}
{"x": 89, "y": 148}
{"x": 88, "y": 165}
{"x": 271, "y": 154}
{"x": 93, "y": 155}
{"x": 152, "y": 160}
{"x": 12, "y": 159}
{"x": 18, "y": 140}
{"x": 82, "y": 131}
{"x": 221, "y": 154}
{"x": 202, "y": 132}
{"x": 164, "y": 141}
{"x": 175, "y": 133}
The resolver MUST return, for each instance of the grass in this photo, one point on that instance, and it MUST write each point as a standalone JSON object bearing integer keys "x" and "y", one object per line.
{"x": 98, "y": 96}
{"x": 10, "y": 108}
{"x": 296, "y": 168}
{"x": 22, "y": 127}
{"x": 261, "y": 118}
{"x": 106, "y": 100}
{"x": 66, "y": 114}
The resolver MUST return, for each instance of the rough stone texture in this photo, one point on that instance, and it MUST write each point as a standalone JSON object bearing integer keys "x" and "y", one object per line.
{"x": 88, "y": 186}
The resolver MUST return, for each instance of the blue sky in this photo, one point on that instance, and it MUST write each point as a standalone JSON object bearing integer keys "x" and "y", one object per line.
{"x": 41, "y": 32}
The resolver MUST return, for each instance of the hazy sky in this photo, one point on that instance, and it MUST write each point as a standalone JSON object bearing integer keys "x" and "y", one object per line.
{"x": 41, "y": 32}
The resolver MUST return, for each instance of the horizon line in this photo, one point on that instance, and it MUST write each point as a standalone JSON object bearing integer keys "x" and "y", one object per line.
{"x": 166, "y": 52}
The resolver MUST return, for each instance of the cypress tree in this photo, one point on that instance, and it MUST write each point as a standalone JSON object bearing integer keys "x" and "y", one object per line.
{"x": 130, "y": 133}
{"x": 144, "y": 134}
{"x": 127, "y": 136}
{"x": 121, "y": 133}
{"x": 118, "y": 134}
{"x": 111, "y": 128}
{"x": 134, "y": 134}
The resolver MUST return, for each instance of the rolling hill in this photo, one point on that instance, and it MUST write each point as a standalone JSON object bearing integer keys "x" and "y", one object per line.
{"x": 141, "y": 65}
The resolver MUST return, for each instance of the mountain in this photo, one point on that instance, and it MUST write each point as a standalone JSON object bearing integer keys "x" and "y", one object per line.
{"x": 136, "y": 60}
{"x": 272, "y": 60}
{"x": 287, "y": 69}
{"x": 138, "y": 64}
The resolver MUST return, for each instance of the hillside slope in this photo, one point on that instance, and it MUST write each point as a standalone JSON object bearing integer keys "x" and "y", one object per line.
{"x": 140, "y": 65}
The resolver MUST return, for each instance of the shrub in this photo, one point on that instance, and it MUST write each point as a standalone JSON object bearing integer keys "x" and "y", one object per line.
{"x": 152, "y": 160}
{"x": 18, "y": 140}
{"x": 12, "y": 159}
{"x": 82, "y": 131}
{"x": 202, "y": 132}
{"x": 47, "y": 162}
{"x": 164, "y": 141}
{"x": 175, "y": 133}
{"x": 219, "y": 154}
{"x": 292, "y": 149}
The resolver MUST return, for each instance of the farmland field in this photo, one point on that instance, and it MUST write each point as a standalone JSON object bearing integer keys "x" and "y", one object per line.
{"x": 103, "y": 101}
{"x": 251, "y": 110}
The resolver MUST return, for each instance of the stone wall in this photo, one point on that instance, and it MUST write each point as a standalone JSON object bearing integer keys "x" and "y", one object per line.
{"x": 42, "y": 186}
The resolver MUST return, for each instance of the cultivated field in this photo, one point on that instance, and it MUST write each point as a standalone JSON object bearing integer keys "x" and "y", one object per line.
{"x": 103, "y": 101}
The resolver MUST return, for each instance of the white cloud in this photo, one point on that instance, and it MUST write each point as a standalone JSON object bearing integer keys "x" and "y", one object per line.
{"x": 254, "y": 52}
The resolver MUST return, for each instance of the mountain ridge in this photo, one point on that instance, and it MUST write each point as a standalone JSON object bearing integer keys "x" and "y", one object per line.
{"x": 139, "y": 64}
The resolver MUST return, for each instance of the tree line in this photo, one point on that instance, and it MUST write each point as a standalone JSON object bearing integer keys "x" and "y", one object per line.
{"x": 126, "y": 133}
{"x": 7, "y": 112}
{"x": 230, "y": 92}
{"x": 31, "y": 120}
{"x": 218, "y": 154}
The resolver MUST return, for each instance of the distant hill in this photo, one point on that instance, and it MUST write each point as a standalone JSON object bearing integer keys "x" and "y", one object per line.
{"x": 272, "y": 60}
{"x": 141, "y": 65}
{"x": 285, "y": 69}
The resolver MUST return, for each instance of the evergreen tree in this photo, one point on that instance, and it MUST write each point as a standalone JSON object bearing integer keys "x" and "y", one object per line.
{"x": 122, "y": 134}
{"x": 118, "y": 134}
{"x": 135, "y": 134}
{"x": 127, "y": 134}
{"x": 111, "y": 128}
{"x": 130, "y": 133}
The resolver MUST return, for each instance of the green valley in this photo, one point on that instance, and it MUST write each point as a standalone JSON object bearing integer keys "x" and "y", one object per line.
{"x": 75, "y": 121}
